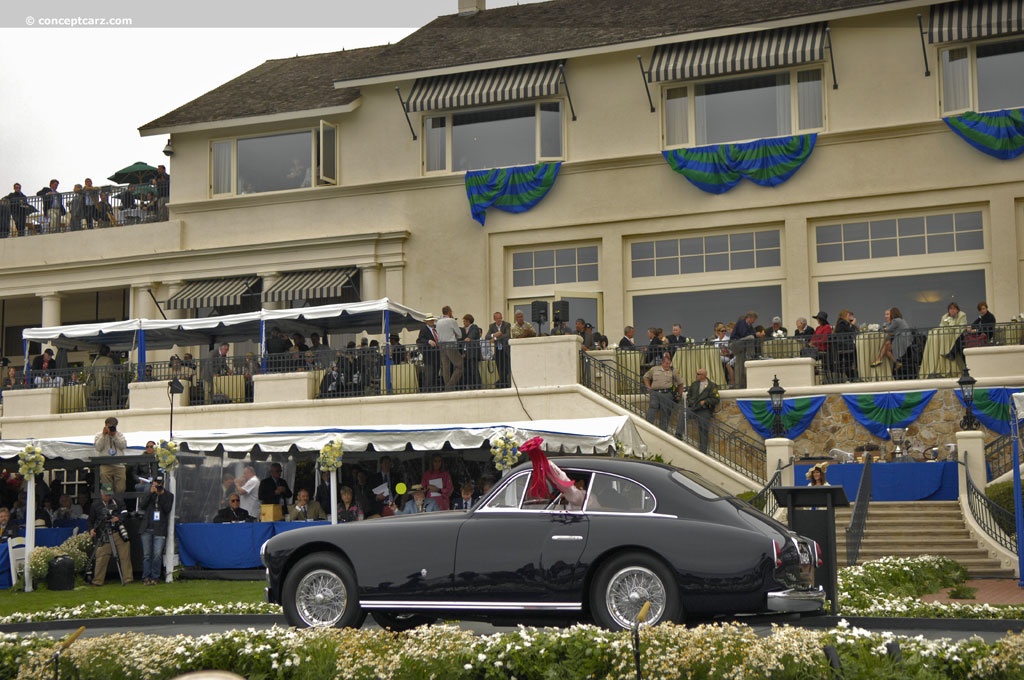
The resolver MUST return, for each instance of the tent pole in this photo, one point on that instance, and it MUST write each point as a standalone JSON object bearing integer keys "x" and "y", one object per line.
{"x": 30, "y": 529}
{"x": 387, "y": 354}
{"x": 140, "y": 368}
{"x": 263, "y": 343}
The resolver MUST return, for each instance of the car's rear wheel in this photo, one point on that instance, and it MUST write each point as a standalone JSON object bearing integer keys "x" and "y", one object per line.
{"x": 401, "y": 622}
{"x": 320, "y": 591}
{"x": 624, "y": 583}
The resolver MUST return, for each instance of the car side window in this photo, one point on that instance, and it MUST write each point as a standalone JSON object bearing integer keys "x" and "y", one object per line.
{"x": 510, "y": 495}
{"x": 617, "y": 494}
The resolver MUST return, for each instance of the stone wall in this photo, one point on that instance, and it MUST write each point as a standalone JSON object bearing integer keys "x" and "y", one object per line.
{"x": 835, "y": 428}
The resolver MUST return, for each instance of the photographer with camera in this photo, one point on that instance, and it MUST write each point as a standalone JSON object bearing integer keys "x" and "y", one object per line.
{"x": 156, "y": 507}
{"x": 106, "y": 526}
{"x": 112, "y": 443}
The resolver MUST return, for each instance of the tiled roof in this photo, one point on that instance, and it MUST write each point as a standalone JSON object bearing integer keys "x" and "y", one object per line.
{"x": 276, "y": 86}
{"x": 515, "y": 32}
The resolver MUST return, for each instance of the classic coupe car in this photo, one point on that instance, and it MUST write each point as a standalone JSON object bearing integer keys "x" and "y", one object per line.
{"x": 644, "y": 532}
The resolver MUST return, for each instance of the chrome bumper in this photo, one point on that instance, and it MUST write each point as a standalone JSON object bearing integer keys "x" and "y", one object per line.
{"x": 795, "y": 600}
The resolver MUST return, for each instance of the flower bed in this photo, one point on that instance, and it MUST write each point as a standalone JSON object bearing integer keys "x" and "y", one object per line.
{"x": 668, "y": 652}
{"x": 888, "y": 587}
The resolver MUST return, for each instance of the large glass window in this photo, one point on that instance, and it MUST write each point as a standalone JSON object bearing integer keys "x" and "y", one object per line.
{"x": 892, "y": 237}
{"x": 749, "y": 107}
{"x": 521, "y": 134}
{"x": 552, "y": 266}
{"x": 700, "y": 254}
{"x": 983, "y": 77}
{"x": 698, "y": 310}
{"x": 293, "y": 160}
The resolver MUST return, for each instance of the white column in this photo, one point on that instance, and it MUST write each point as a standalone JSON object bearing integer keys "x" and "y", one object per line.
{"x": 779, "y": 453}
{"x": 369, "y": 281}
{"x": 394, "y": 282}
{"x": 51, "y": 308}
{"x": 269, "y": 279}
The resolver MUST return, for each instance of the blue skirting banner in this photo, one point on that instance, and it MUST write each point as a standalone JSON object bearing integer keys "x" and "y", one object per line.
{"x": 766, "y": 162}
{"x": 878, "y": 412}
{"x": 797, "y": 414}
{"x": 999, "y": 134}
{"x": 513, "y": 190}
{"x": 991, "y": 407}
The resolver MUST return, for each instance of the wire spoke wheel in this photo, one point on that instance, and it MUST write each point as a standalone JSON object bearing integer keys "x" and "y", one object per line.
{"x": 628, "y": 590}
{"x": 321, "y": 598}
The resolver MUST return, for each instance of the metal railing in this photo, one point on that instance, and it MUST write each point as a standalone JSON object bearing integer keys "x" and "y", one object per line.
{"x": 726, "y": 444}
{"x": 765, "y": 500}
{"x": 111, "y": 205}
{"x": 998, "y": 456}
{"x": 994, "y": 520}
{"x": 848, "y": 357}
{"x": 859, "y": 516}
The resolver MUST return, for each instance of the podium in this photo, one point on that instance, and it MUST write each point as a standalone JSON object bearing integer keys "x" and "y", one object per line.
{"x": 810, "y": 511}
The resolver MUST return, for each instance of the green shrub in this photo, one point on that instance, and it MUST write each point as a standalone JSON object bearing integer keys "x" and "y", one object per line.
{"x": 748, "y": 496}
{"x": 1001, "y": 494}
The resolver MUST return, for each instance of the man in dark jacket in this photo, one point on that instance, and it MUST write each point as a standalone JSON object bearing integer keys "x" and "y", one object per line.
{"x": 105, "y": 517}
{"x": 156, "y": 507}
{"x": 274, "y": 489}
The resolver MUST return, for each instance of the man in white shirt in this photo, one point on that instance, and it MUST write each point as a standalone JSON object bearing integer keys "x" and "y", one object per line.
{"x": 248, "y": 491}
{"x": 448, "y": 335}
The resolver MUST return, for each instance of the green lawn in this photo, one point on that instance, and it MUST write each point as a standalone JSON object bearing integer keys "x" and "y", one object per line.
{"x": 163, "y": 595}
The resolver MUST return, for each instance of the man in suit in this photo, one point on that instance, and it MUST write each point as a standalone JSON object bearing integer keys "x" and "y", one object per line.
{"x": 306, "y": 510}
{"x": 53, "y": 205}
{"x": 274, "y": 489}
{"x": 499, "y": 333}
{"x": 233, "y": 513}
{"x": 676, "y": 340}
{"x": 429, "y": 341}
{"x": 627, "y": 341}
{"x": 701, "y": 400}
{"x": 471, "y": 335}
{"x": 384, "y": 477}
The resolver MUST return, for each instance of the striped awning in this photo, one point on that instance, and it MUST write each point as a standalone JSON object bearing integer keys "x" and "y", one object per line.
{"x": 738, "y": 53}
{"x": 313, "y": 285}
{"x": 211, "y": 293}
{"x": 493, "y": 86}
{"x": 973, "y": 19}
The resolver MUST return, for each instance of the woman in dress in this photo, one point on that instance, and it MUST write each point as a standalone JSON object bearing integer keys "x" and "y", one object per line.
{"x": 897, "y": 339}
{"x": 816, "y": 475}
{"x": 439, "y": 491}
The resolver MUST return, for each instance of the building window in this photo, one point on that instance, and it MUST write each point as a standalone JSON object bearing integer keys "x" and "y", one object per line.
{"x": 983, "y": 76}
{"x": 521, "y": 134}
{"x": 904, "y": 236}
{"x": 292, "y": 160}
{"x": 554, "y": 266}
{"x": 700, "y": 254}
{"x": 748, "y": 107}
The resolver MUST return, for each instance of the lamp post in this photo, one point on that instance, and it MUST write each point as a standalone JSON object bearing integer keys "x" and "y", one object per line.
{"x": 174, "y": 387}
{"x": 966, "y": 383}
{"x": 776, "y": 393}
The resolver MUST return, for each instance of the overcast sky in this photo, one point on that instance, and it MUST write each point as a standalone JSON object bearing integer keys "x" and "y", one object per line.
{"x": 74, "y": 98}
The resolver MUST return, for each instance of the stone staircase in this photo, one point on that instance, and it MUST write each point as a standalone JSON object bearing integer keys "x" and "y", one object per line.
{"x": 908, "y": 529}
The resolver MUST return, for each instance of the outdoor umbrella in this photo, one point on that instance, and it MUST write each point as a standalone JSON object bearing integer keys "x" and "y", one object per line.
{"x": 136, "y": 173}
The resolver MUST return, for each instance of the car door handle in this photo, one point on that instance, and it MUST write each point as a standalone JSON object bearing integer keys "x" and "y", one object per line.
{"x": 566, "y": 537}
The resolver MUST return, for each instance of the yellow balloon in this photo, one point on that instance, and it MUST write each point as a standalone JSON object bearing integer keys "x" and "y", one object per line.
{"x": 400, "y": 488}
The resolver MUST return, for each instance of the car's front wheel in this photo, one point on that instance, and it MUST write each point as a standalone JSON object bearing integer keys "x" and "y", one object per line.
{"x": 320, "y": 591}
{"x": 624, "y": 583}
{"x": 401, "y": 622}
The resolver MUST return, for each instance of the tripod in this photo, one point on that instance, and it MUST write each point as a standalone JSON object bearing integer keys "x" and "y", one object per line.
{"x": 114, "y": 555}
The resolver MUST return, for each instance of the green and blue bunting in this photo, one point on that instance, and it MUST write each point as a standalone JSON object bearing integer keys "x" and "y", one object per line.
{"x": 878, "y": 412}
{"x": 991, "y": 407}
{"x": 797, "y": 414}
{"x": 766, "y": 162}
{"x": 513, "y": 190}
{"x": 997, "y": 133}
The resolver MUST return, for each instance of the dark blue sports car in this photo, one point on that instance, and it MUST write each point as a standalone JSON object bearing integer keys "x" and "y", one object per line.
{"x": 637, "y": 532}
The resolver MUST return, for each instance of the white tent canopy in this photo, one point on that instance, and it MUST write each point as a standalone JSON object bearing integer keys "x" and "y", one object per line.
{"x": 583, "y": 435}
{"x": 372, "y": 316}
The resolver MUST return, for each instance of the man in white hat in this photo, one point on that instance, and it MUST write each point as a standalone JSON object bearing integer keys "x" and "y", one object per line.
{"x": 429, "y": 343}
{"x": 418, "y": 501}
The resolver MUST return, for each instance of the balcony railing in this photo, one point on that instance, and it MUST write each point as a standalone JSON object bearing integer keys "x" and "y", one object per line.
{"x": 112, "y": 205}
{"x": 922, "y": 353}
{"x": 999, "y": 456}
{"x": 724, "y": 443}
{"x": 349, "y": 372}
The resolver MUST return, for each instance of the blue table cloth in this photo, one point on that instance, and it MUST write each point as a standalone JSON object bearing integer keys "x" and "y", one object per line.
{"x": 222, "y": 546}
{"x": 894, "y": 481}
{"x": 228, "y": 546}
